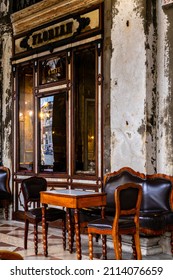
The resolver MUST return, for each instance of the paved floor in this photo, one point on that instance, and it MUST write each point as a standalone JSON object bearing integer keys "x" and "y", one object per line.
{"x": 12, "y": 238}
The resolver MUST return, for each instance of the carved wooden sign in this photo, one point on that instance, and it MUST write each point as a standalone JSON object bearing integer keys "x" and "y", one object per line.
{"x": 70, "y": 28}
{"x": 166, "y": 3}
{"x": 50, "y": 34}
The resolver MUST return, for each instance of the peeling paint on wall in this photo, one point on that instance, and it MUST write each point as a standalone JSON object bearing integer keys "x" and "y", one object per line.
{"x": 5, "y": 90}
{"x": 169, "y": 99}
{"x": 128, "y": 86}
{"x": 164, "y": 88}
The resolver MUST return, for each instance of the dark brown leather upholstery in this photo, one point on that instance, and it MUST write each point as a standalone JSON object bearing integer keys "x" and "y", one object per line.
{"x": 153, "y": 223}
{"x": 112, "y": 182}
{"x": 156, "y": 192}
{"x": 31, "y": 188}
{"x": 5, "y": 192}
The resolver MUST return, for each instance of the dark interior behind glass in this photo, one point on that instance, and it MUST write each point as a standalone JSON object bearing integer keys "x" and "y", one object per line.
{"x": 85, "y": 94}
{"x": 26, "y": 119}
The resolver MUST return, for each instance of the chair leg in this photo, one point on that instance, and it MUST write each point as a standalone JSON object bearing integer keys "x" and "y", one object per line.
{"x": 6, "y": 212}
{"x": 137, "y": 246}
{"x": 36, "y": 238}
{"x": 117, "y": 246}
{"x": 104, "y": 247}
{"x": 72, "y": 236}
{"x": 47, "y": 225}
{"x": 26, "y": 233}
{"x": 46, "y": 234}
{"x": 64, "y": 233}
{"x": 120, "y": 246}
{"x": 172, "y": 242}
{"x": 134, "y": 248}
{"x": 97, "y": 237}
{"x": 90, "y": 246}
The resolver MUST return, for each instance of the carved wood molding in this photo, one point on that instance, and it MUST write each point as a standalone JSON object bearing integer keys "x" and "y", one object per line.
{"x": 47, "y": 11}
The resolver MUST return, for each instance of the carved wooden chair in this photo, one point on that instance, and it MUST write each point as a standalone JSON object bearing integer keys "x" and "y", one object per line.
{"x": 127, "y": 203}
{"x": 5, "y": 192}
{"x": 31, "y": 188}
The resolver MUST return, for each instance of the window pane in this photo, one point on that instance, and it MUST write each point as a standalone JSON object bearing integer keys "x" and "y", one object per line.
{"x": 26, "y": 121}
{"x": 85, "y": 111}
{"x": 52, "y": 70}
{"x": 53, "y": 133}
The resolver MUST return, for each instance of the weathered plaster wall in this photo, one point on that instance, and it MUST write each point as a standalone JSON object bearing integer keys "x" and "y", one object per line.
{"x": 128, "y": 85}
{"x": 6, "y": 90}
{"x": 151, "y": 85}
{"x": 141, "y": 86}
{"x": 165, "y": 90}
{"x": 106, "y": 85}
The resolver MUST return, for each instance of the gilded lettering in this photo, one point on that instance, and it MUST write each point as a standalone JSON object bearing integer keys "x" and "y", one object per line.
{"x": 45, "y": 36}
{"x": 54, "y": 71}
{"x": 50, "y": 34}
{"x": 57, "y": 31}
{"x": 34, "y": 39}
{"x": 62, "y": 30}
{"x": 69, "y": 26}
{"x": 40, "y": 39}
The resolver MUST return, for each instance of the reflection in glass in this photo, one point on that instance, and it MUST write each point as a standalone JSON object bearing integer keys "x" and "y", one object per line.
{"x": 26, "y": 119}
{"x": 53, "y": 133}
{"x": 85, "y": 126}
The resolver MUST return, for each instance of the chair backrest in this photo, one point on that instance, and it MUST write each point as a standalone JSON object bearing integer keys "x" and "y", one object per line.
{"x": 115, "y": 179}
{"x": 31, "y": 188}
{"x": 128, "y": 199}
{"x": 4, "y": 179}
{"x": 157, "y": 189}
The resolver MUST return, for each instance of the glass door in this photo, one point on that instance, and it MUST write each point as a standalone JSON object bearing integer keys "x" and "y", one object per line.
{"x": 52, "y": 113}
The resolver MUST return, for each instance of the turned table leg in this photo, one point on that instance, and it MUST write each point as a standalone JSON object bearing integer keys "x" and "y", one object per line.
{"x": 44, "y": 231}
{"x": 90, "y": 243}
{"x": 77, "y": 232}
{"x": 68, "y": 213}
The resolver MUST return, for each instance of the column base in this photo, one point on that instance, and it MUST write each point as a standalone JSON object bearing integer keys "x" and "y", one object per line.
{"x": 149, "y": 245}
